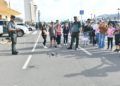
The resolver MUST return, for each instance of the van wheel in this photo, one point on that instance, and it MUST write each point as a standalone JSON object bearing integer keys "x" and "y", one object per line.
{"x": 20, "y": 33}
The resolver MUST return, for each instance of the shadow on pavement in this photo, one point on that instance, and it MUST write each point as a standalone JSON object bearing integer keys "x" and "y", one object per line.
{"x": 29, "y": 42}
{"x": 109, "y": 63}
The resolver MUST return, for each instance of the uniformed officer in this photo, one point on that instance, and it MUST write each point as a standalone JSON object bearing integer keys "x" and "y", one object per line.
{"x": 13, "y": 34}
{"x": 75, "y": 33}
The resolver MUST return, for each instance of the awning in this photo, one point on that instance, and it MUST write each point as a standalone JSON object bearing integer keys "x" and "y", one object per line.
{"x": 5, "y": 10}
{"x": 8, "y": 11}
{"x": 12, "y": 12}
{"x": 3, "y": 3}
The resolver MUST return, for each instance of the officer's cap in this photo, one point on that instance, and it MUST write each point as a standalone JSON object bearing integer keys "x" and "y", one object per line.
{"x": 12, "y": 17}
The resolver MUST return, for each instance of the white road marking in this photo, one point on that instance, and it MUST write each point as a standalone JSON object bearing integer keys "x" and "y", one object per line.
{"x": 26, "y": 63}
{"x": 87, "y": 52}
{"x": 36, "y": 43}
{"x": 30, "y": 56}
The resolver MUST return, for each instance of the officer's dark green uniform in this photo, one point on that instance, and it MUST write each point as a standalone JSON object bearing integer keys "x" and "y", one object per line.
{"x": 13, "y": 34}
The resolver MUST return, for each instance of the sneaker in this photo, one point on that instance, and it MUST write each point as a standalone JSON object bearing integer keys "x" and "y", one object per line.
{"x": 45, "y": 47}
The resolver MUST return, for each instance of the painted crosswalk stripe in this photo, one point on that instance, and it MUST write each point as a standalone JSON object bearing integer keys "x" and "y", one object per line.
{"x": 87, "y": 52}
{"x": 30, "y": 56}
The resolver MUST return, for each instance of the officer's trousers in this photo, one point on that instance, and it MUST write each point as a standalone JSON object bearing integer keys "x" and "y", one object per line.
{"x": 74, "y": 36}
{"x": 14, "y": 41}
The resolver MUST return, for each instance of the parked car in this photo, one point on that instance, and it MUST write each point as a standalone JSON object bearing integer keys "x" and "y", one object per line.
{"x": 22, "y": 30}
{"x": 3, "y": 27}
{"x": 30, "y": 28}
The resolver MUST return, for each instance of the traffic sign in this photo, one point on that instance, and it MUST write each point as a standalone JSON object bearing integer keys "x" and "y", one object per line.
{"x": 81, "y": 12}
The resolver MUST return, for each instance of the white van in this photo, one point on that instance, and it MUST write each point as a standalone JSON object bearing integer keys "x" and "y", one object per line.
{"x": 3, "y": 27}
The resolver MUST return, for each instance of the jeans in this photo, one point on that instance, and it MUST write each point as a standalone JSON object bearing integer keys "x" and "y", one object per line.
{"x": 65, "y": 39}
{"x": 14, "y": 41}
{"x": 101, "y": 39}
{"x": 97, "y": 38}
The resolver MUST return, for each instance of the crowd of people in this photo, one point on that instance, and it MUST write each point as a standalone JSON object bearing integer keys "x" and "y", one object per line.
{"x": 56, "y": 30}
{"x": 98, "y": 32}
{"x": 93, "y": 32}
{"x": 90, "y": 32}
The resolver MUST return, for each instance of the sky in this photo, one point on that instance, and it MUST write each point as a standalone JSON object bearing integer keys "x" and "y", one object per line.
{"x": 66, "y": 9}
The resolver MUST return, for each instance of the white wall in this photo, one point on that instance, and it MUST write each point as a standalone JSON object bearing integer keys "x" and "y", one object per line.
{"x": 30, "y": 14}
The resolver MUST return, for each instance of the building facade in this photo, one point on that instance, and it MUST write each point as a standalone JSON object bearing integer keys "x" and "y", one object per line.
{"x": 30, "y": 11}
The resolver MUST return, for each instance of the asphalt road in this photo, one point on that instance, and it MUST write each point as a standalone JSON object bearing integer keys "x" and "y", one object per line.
{"x": 36, "y": 66}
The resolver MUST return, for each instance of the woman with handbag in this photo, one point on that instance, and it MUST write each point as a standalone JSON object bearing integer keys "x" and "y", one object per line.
{"x": 44, "y": 34}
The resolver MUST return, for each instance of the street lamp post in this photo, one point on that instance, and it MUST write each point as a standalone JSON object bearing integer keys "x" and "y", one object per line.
{"x": 118, "y": 14}
{"x": 38, "y": 15}
{"x": 35, "y": 10}
{"x": 39, "y": 19}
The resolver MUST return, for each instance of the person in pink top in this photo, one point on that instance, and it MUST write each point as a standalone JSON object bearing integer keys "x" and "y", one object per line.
{"x": 58, "y": 32}
{"x": 110, "y": 35}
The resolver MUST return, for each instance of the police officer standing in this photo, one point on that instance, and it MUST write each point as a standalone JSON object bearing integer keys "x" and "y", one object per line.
{"x": 13, "y": 34}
